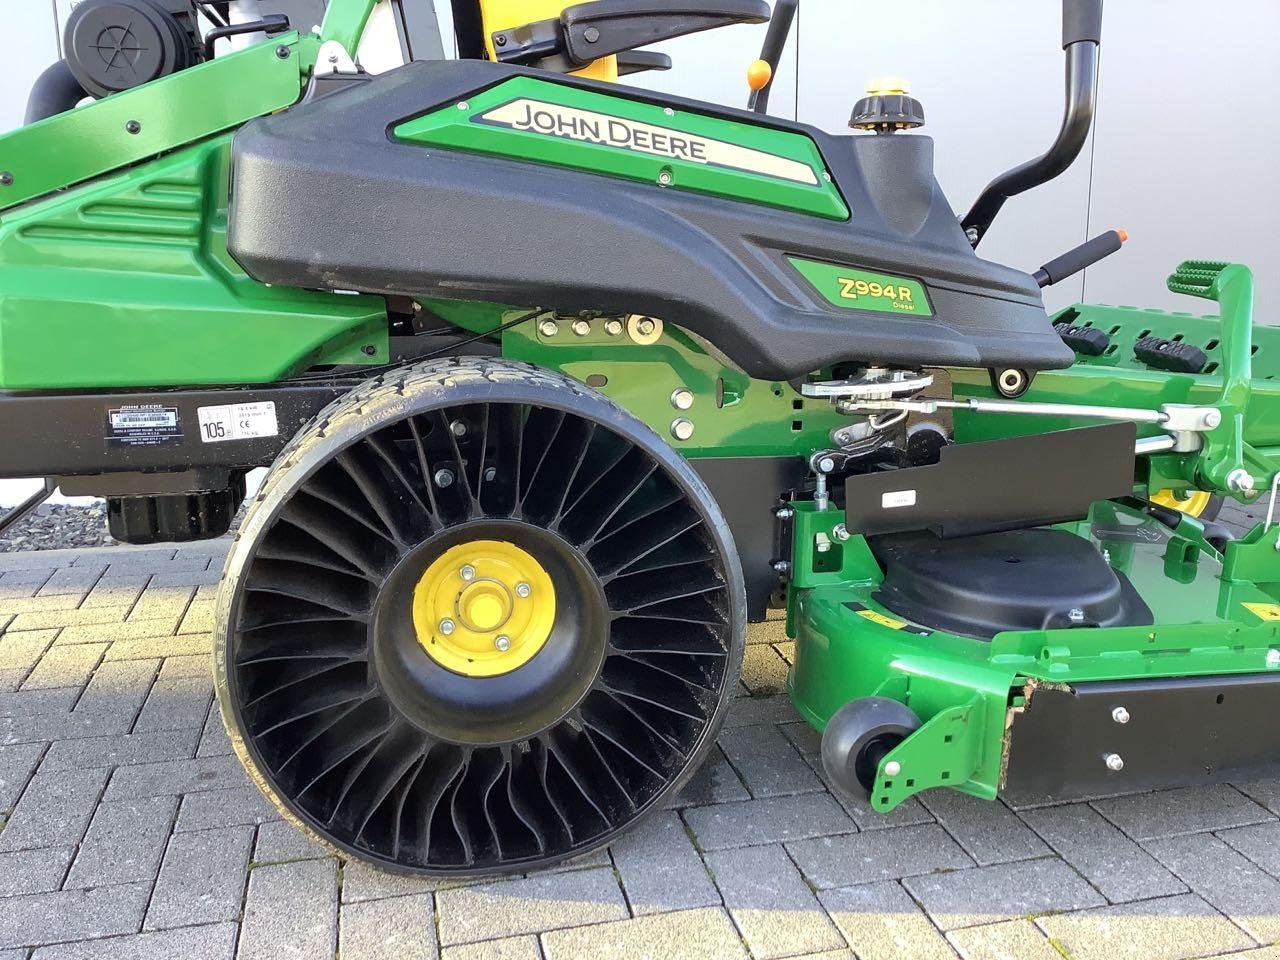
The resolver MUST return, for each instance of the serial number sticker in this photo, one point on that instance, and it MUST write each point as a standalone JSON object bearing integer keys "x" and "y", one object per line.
{"x": 142, "y": 425}
{"x": 1264, "y": 611}
{"x": 897, "y": 498}
{"x": 238, "y": 421}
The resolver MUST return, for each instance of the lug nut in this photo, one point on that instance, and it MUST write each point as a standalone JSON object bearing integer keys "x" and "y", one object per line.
{"x": 446, "y": 627}
{"x": 443, "y": 478}
{"x": 458, "y": 428}
{"x": 840, "y": 532}
{"x": 468, "y": 572}
{"x": 581, "y": 328}
{"x": 646, "y": 326}
{"x": 503, "y": 644}
{"x": 682, "y": 399}
{"x": 548, "y": 328}
{"x": 523, "y": 590}
{"x": 1240, "y": 480}
{"x": 681, "y": 429}
{"x": 1120, "y": 715}
{"x": 613, "y": 328}
{"x": 1114, "y": 762}
{"x": 892, "y": 768}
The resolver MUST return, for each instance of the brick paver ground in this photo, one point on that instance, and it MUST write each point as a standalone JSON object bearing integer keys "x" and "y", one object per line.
{"x": 127, "y": 830}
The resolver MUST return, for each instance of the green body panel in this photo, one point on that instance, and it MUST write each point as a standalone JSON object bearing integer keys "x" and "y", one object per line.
{"x": 463, "y": 127}
{"x": 126, "y": 282}
{"x": 732, "y": 414}
{"x": 190, "y": 105}
{"x": 863, "y": 289}
{"x": 965, "y": 689}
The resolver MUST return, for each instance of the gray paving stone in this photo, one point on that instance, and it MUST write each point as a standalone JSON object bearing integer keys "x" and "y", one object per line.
{"x": 281, "y": 842}
{"x": 508, "y": 948}
{"x": 211, "y": 809}
{"x": 214, "y": 942}
{"x": 118, "y": 689}
{"x": 19, "y": 654}
{"x": 1010, "y": 940}
{"x": 79, "y": 625}
{"x": 33, "y": 871}
{"x": 1168, "y": 813}
{"x": 159, "y": 645}
{"x": 64, "y": 915}
{"x": 77, "y": 580}
{"x": 1113, "y": 863}
{"x": 775, "y": 911}
{"x": 101, "y": 629}
{"x": 65, "y": 667}
{"x": 714, "y": 782}
{"x": 1233, "y": 884}
{"x": 361, "y": 882}
{"x": 121, "y": 750}
{"x": 201, "y": 878}
{"x": 1172, "y": 928}
{"x": 768, "y": 820}
{"x": 877, "y": 855}
{"x": 22, "y": 703}
{"x": 178, "y": 700}
{"x": 684, "y": 935}
{"x": 1259, "y": 842}
{"x": 401, "y": 927}
{"x": 214, "y": 741}
{"x": 54, "y": 810}
{"x": 880, "y": 922}
{"x": 745, "y": 711}
{"x": 291, "y": 912}
{"x": 125, "y": 842}
{"x": 767, "y": 762}
{"x": 660, "y": 869}
{"x": 988, "y": 831}
{"x": 17, "y": 764}
{"x": 529, "y": 905}
{"x": 966, "y": 898}
{"x": 1265, "y": 791}
{"x": 60, "y": 726}
{"x": 172, "y": 777}
{"x": 764, "y": 671}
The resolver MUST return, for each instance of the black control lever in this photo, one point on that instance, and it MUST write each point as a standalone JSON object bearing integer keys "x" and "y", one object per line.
{"x": 605, "y": 27}
{"x": 272, "y": 23}
{"x": 775, "y": 41}
{"x": 1075, "y": 260}
{"x": 637, "y": 61}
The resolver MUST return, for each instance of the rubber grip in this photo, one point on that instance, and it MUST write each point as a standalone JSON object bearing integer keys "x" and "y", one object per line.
{"x": 1085, "y": 255}
{"x": 1081, "y": 20}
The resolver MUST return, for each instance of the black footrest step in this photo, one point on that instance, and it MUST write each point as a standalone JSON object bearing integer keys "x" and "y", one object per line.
{"x": 1171, "y": 355}
{"x": 1089, "y": 341}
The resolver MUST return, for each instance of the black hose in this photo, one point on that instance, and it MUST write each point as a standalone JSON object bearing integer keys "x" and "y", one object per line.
{"x": 55, "y": 91}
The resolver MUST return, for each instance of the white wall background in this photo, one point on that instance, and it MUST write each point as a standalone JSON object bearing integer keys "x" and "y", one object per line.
{"x": 1182, "y": 155}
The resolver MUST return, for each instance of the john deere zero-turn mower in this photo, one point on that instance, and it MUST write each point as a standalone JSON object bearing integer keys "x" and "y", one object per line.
{"x": 564, "y": 382}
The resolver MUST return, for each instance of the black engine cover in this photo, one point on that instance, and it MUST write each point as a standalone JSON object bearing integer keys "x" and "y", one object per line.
{"x": 324, "y": 197}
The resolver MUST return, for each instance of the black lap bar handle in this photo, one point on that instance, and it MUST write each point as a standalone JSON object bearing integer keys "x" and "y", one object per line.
{"x": 1081, "y": 37}
{"x": 1085, "y": 255}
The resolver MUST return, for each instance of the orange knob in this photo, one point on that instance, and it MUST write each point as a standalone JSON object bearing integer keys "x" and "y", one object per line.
{"x": 759, "y": 74}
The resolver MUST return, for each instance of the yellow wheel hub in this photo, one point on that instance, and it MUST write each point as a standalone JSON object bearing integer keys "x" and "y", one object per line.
{"x": 484, "y": 608}
{"x": 1192, "y": 505}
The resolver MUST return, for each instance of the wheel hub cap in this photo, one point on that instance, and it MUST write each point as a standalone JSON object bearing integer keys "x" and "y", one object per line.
{"x": 471, "y": 612}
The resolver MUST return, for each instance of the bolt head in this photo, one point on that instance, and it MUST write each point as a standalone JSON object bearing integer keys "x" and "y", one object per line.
{"x": 681, "y": 428}
{"x": 581, "y": 327}
{"x": 464, "y": 105}
{"x": 282, "y": 52}
{"x": 664, "y": 178}
{"x": 1273, "y": 657}
{"x": 500, "y": 40}
{"x": 613, "y": 328}
{"x": 458, "y": 428}
{"x": 1212, "y": 418}
{"x": 971, "y": 234}
{"x": 1120, "y": 715}
{"x": 1075, "y": 615}
{"x": 467, "y": 573}
{"x": 669, "y": 112}
{"x": 6, "y": 178}
{"x": 784, "y": 513}
{"x": 503, "y": 644}
{"x": 682, "y": 399}
{"x": 133, "y": 126}
{"x": 591, "y": 35}
{"x": 826, "y": 465}
{"x": 443, "y": 478}
{"x": 490, "y": 474}
{"x": 1114, "y": 762}
{"x": 446, "y": 627}
{"x": 781, "y": 566}
{"x": 840, "y": 532}
{"x": 523, "y": 590}
{"x": 646, "y": 326}
{"x": 548, "y": 328}
{"x": 1240, "y": 480}
{"x": 892, "y": 768}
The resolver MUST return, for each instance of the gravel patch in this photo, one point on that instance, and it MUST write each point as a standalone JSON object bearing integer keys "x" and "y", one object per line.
{"x": 56, "y": 526}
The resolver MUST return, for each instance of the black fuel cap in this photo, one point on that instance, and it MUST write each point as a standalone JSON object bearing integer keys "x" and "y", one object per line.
{"x": 887, "y": 108}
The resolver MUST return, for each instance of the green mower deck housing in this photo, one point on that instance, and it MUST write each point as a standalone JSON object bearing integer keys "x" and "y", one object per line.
{"x": 563, "y": 382}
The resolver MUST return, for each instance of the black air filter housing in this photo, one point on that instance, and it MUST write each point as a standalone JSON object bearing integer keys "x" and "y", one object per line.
{"x": 114, "y": 45}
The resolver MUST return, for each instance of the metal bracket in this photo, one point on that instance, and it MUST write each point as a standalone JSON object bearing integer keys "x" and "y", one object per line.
{"x": 945, "y": 752}
{"x": 334, "y": 59}
{"x": 15, "y": 515}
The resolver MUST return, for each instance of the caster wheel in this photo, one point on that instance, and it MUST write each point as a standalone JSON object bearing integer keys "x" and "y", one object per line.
{"x": 479, "y": 620}
{"x": 857, "y": 738}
